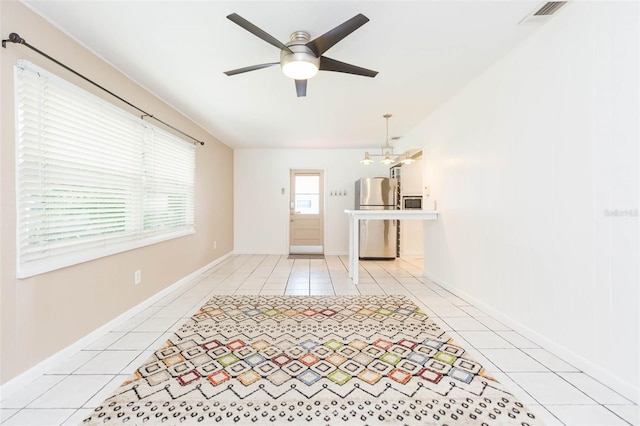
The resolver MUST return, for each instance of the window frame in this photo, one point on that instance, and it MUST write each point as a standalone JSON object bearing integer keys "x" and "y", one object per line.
{"x": 107, "y": 243}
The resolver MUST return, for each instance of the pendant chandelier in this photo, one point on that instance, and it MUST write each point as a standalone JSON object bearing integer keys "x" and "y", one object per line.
{"x": 386, "y": 151}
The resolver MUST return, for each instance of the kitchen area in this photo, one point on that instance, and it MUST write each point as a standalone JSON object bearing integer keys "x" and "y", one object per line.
{"x": 413, "y": 196}
{"x": 388, "y": 216}
{"x": 263, "y": 178}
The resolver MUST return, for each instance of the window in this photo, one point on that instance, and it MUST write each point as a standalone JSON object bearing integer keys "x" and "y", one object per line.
{"x": 307, "y": 196}
{"x": 92, "y": 180}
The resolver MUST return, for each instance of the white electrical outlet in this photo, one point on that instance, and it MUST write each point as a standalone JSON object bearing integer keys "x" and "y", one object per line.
{"x": 137, "y": 277}
{"x": 215, "y": 245}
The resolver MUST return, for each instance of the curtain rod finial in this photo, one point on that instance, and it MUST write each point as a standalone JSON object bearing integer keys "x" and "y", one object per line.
{"x": 13, "y": 38}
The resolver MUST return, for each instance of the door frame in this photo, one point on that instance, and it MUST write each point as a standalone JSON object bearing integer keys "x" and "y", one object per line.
{"x": 292, "y": 173}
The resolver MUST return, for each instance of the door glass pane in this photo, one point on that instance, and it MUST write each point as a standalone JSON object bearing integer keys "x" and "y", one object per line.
{"x": 307, "y": 196}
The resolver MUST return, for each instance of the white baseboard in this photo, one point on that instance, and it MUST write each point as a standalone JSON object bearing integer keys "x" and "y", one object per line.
{"x": 267, "y": 253}
{"x": 278, "y": 253}
{"x": 42, "y": 367}
{"x": 412, "y": 254}
{"x": 616, "y": 383}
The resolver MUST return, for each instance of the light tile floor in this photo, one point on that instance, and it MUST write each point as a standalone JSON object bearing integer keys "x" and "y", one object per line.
{"x": 559, "y": 393}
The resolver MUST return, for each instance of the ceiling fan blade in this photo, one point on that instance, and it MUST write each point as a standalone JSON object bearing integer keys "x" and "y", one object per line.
{"x": 250, "y": 68}
{"x": 234, "y": 17}
{"x": 301, "y": 88}
{"x": 328, "y": 64}
{"x": 329, "y": 39}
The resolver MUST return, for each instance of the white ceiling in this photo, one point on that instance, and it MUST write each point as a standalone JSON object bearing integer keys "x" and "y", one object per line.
{"x": 424, "y": 51}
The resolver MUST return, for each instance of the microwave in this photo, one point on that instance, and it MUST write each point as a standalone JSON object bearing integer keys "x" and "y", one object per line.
{"x": 412, "y": 202}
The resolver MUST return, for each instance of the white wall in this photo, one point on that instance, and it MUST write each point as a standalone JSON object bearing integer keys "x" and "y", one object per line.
{"x": 261, "y": 210}
{"x": 526, "y": 164}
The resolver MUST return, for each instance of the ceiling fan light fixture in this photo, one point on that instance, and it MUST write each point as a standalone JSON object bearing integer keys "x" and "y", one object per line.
{"x": 299, "y": 62}
{"x": 299, "y": 70}
{"x": 367, "y": 159}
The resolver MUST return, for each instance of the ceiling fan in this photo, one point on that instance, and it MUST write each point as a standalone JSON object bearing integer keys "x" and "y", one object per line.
{"x": 302, "y": 58}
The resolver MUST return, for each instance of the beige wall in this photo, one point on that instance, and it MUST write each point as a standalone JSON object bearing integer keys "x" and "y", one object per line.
{"x": 43, "y": 314}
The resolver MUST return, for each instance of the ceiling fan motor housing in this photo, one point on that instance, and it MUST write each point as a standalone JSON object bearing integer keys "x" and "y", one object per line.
{"x": 300, "y": 63}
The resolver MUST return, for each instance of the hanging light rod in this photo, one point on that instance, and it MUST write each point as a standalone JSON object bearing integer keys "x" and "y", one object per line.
{"x": 386, "y": 151}
{"x": 15, "y": 38}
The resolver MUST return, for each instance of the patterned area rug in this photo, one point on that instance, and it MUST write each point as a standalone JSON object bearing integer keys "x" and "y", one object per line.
{"x": 311, "y": 360}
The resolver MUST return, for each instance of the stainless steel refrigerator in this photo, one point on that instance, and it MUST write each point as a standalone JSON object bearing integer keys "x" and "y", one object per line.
{"x": 377, "y": 237}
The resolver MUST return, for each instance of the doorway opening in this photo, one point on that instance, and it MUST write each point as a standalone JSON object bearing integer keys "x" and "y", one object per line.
{"x": 306, "y": 216}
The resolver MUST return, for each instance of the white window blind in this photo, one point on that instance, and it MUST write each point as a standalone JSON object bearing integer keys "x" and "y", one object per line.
{"x": 92, "y": 180}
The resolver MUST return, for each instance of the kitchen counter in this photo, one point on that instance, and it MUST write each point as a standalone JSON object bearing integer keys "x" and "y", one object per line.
{"x": 354, "y": 228}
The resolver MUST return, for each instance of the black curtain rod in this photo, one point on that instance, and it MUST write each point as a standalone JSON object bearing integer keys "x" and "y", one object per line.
{"x": 15, "y": 38}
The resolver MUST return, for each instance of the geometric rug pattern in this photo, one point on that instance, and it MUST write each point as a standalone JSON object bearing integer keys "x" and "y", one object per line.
{"x": 311, "y": 360}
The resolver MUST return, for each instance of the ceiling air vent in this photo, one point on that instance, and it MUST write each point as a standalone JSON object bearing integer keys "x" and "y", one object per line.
{"x": 543, "y": 12}
{"x": 549, "y": 8}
